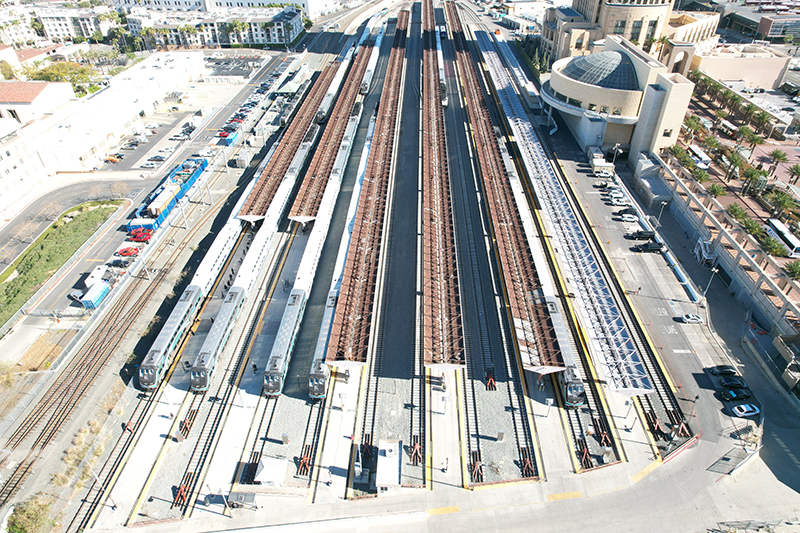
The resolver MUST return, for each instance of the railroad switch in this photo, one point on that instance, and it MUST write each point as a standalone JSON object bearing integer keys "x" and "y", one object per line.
{"x": 416, "y": 451}
{"x": 585, "y": 458}
{"x": 527, "y": 464}
{"x": 490, "y": 383}
{"x": 366, "y": 446}
{"x": 305, "y": 461}
{"x": 683, "y": 431}
{"x": 180, "y": 496}
{"x": 476, "y": 468}
{"x": 604, "y": 439}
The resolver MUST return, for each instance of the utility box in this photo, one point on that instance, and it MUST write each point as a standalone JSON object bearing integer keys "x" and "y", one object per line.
{"x": 388, "y": 474}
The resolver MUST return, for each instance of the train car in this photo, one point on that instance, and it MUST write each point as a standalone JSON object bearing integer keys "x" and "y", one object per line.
{"x": 206, "y": 360}
{"x": 155, "y": 363}
{"x": 320, "y": 372}
{"x": 274, "y": 376}
{"x": 571, "y": 387}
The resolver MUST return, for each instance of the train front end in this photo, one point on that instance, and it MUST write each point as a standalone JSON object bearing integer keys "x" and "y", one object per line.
{"x": 198, "y": 379}
{"x": 273, "y": 384}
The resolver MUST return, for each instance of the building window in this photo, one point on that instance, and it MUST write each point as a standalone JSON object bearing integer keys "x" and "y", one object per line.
{"x": 636, "y": 30}
{"x": 576, "y": 103}
{"x": 617, "y": 111}
{"x": 604, "y": 109}
{"x": 579, "y": 43}
{"x": 651, "y": 29}
{"x": 592, "y": 107}
{"x": 619, "y": 27}
{"x": 668, "y": 133}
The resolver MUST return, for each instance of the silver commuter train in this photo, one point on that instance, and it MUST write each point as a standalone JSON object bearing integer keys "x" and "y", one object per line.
{"x": 320, "y": 372}
{"x": 275, "y": 374}
{"x": 206, "y": 360}
{"x": 154, "y": 366}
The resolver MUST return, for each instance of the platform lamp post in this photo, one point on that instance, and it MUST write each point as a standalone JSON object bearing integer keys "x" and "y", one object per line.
{"x": 663, "y": 204}
{"x": 616, "y": 153}
{"x": 100, "y": 484}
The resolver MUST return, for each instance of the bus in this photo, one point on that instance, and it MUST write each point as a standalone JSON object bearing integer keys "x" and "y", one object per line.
{"x": 778, "y": 230}
{"x": 700, "y": 156}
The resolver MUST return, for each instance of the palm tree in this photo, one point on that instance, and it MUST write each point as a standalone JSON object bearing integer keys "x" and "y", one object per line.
{"x": 782, "y": 202}
{"x": 762, "y": 120}
{"x": 777, "y": 156}
{"x": 793, "y": 269}
{"x": 700, "y": 175}
{"x": 743, "y": 133}
{"x": 749, "y": 112}
{"x": 716, "y": 190}
{"x": 794, "y": 173}
{"x": 737, "y": 211}
{"x": 661, "y": 42}
{"x": 773, "y": 246}
{"x": 734, "y": 103}
{"x": 648, "y": 43}
{"x": 753, "y": 227}
{"x": 755, "y": 140}
{"x": 725, "y": 96}
{"x": 693, "y": 126}
{"x": 712, "y": 143}
{"x": 721, "y": 115}
{"x": 735, "y": 162}
{"x": 750, "y": 176}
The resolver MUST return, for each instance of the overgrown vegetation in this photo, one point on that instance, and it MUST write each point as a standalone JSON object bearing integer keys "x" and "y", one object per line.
{"x": 73, "y": 457}
{"x": 50, "y": 251}
{"x": 31, "y": 516}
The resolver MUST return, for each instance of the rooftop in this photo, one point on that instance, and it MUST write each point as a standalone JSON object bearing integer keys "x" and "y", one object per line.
{"x": 611, "y": 70}
{"x": 21, "y": 92}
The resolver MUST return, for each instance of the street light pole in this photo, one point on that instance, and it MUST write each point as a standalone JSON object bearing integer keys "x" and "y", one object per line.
{"x": 660, "y": 212}
{"x": 616, "y": 151}
{"x": 713, "y": 271}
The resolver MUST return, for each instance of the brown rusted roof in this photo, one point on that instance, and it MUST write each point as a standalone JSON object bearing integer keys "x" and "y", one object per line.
{"x": 21, "y": 92}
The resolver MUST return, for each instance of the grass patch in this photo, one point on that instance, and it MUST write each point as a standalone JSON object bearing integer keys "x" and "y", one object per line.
{"x": 77, "y": 452}
{"x": 49, "y": 253}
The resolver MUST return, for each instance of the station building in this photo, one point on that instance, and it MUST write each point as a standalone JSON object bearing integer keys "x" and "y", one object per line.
{"x": 620, "y": 96}
{"x": 45, "y": 130}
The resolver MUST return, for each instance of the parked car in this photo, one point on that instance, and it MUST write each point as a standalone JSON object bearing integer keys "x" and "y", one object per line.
{"x": 142, "y": 237}
{"x": 627, "y": 217}
{"x": 649, "y": 247}
{"x": 604, "y": 174}
{"x": 733, "y": 382}
{"x": 157, "y": 158}
{"x": 128, "y": 252}
{"x": 75, "y": 295}
{"x": 732, "y": 395}
{"x": 627, "y": 211}
{"x": 119, "y": 156}
{"x": 691, "y": 319}
{"x": 745, "y": 410}
{"x": 223, "y": 134}
{"x": 128, "y": 147}
{"x": 167, "y": 150}
{"x": 149, "y": 164}
{"x": 138, "y": 231}
{"x": 179, "y": 137}
{"x": 118, "y": 263}
{"x": 112, "y": 159}
{"x": 723, "y": 370}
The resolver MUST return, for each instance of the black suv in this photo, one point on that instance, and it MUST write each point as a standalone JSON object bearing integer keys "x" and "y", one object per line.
{"x": 649, "y": 247}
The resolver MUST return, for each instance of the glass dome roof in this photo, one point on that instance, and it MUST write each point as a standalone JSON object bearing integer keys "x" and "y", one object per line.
{"x": 611, "y": 70}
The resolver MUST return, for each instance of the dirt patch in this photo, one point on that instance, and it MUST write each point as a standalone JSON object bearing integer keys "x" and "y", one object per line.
{"x": 12, "y": 276}
{"x": 46, "y": 348}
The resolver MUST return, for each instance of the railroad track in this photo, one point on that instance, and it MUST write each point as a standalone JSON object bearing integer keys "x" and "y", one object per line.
{"x": 514, "y": 256}
{"x": 267, "y": 408}
{"x": 305, "y": 463}
{"x": 660, "y": 408}
{"x": 58, "y": 404}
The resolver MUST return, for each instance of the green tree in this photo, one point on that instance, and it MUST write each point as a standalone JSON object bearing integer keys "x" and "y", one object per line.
{"x": 743, "y": 133}
{"x": 700, "y": 175}
{"x": 772, "y": 246}
{"x": 735, "y": 162}
{"x": 749, "y": 111}
{"x": 751, "y": 175}
{"x": 716, "y": 190}
{"x": 787, "y": 39}
{"x": 753, "y": 227}
{"x": 711, "y": 142}
{"x": 781, "y": 202}
{"x": 763, "y": 119}
{"x": 737, "y": 211}
{"x": 97, "y": 36}
{"x": 793, "y": 269}
{"x": 794, "y": 173}
{"x": 734, "y": 103}
{"x": 6, "y": 70}
{"x": 78, "y": 75}
{"x": 693, "y": 126}
{"x": 777, "y": 156}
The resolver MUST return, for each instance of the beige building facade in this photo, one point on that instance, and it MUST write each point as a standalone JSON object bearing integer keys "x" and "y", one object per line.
{"x": 757, "y": 66}
{"x": 618, "y": 96}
